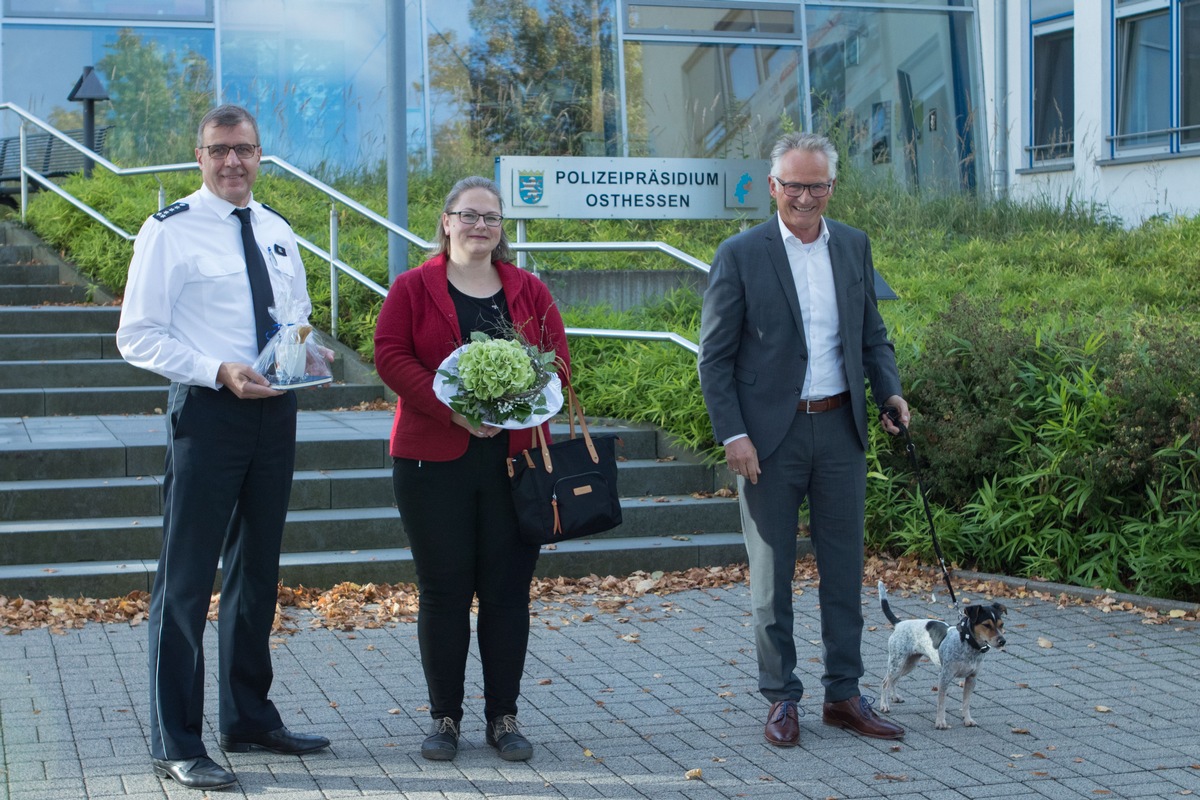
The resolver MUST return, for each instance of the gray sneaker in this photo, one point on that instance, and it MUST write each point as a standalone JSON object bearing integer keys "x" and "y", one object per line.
{"x": 504, "y": 735}
{"x": 442, "y": 742}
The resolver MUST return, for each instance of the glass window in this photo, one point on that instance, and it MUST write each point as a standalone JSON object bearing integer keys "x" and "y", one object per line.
{"x": 160, "y": 82}
{"x": 742, "y": 20}
{"x": 174, "y": 10}
{"x": 1053, "y": 95}
{"x": 689, "y": 100}
{"x": 898, "y": 84}
{"x": 528, "y": 77}
{"x": 1189, "y": 70}
{"x": 1045, "y": 9}
{"x": 1143, "y": 72}
{"x": 314, "y": 80}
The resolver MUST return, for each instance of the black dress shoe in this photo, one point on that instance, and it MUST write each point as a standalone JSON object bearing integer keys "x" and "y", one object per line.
{"x": 280, "y": 740}
{"x": 442, "y": 742}
{"x": 504, "y": 735}
{"x": 194, "y": 773}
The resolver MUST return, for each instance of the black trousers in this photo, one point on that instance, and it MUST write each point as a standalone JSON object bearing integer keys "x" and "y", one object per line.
{"x": 228, "y": 479}
{"x": 461, "y": 525}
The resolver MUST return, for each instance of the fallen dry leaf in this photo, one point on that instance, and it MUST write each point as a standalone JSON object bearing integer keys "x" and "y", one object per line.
{"x": 1044, "y": 642}
{"x": 349, "y": 606}
{"x": 1103, "y": 709}
{"x": 694, "y": 774}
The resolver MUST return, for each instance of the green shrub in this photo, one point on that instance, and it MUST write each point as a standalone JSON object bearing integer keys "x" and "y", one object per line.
{"x": 1048, "y": 356}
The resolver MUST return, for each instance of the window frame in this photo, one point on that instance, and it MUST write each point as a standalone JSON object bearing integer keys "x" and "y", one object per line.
{"x": 1042, "y": 27}
{"x": 1124, "y": 13}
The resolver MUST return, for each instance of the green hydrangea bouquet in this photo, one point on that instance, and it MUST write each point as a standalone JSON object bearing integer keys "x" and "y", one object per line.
{"x": 501, "y": 381}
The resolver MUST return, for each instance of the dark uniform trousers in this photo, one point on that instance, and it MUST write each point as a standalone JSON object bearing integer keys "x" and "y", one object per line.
{"x": 228, "y": 480}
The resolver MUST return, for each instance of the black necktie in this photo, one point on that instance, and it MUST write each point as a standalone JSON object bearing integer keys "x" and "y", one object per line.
{"x": 260, "y": 281}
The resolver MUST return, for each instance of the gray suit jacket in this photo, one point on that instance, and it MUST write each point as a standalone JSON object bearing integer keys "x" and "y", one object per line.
{"x": 753, "y": 354}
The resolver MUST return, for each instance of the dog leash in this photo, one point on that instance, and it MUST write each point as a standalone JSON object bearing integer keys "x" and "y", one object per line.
{"x": 911, "y": 449}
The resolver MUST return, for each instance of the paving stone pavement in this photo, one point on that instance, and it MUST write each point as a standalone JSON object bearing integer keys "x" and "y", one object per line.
{"x": 1083, "y": 704}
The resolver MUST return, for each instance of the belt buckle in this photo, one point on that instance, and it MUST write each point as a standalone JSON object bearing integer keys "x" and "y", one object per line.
{"x": 808, "y": 404}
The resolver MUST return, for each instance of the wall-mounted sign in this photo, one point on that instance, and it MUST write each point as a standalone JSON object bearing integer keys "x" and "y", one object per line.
{"x": 536, "y": 187}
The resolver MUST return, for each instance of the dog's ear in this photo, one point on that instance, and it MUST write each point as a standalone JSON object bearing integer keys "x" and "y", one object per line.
{"x": 1000, "y": 609}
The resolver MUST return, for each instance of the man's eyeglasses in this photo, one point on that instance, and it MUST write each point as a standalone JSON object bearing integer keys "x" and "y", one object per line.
{"x": 220, "y": 151}
{"x": 471, "y": 217}
{"x": 791, "y": 189}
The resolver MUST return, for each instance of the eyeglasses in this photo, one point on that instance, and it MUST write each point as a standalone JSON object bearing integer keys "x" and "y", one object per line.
{"x": 221, "y": 151}
{"x": 471, "y": 217}
{"x": 791, "y": 189}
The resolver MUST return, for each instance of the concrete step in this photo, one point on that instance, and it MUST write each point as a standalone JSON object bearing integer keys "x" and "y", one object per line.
{"x": 15, "y": 255}
{"x": 32, "y": 294}
{"x": 69, "y": 401}
{"x": 113, "y": 538}
{"x": 59, "y": 319}
{"x": 49, "y": 448}
{"x": 76, "y": 373}
{"x": 86, "y": 498}
{"x": 25, "y": 271}
{"x": 58, "y": 346}
{"x": 602, "y": 555}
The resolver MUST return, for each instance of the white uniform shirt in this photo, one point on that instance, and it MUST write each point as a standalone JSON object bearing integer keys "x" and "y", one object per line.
{"x": 187, "y": 305}
{"x": 812, "y": 271}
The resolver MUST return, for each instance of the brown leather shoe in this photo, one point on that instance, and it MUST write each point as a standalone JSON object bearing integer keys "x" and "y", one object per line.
{"x": 783, "y": 724}
{"x": 857, "y": 715}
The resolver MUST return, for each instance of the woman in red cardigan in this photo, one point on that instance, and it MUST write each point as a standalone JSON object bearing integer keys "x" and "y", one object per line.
{"x": 450, "y": 480}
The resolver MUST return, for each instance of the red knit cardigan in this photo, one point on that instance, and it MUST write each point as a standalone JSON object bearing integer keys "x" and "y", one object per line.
{"x": 418, "y": 327}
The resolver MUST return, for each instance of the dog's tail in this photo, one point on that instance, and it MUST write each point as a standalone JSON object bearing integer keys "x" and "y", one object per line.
{"x": 883, "y": 603}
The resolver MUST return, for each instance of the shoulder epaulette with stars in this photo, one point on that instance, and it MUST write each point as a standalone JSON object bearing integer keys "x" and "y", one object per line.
{"x": 171, "y": 210}
{"x": 273, "y": 211}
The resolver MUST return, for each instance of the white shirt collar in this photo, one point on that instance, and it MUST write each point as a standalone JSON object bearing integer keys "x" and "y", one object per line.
{"x": 224, "y": 208}
{"x": 822, "y": 237}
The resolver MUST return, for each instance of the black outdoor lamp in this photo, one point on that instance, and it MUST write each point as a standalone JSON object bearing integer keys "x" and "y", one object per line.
{"x": 88, "y": 90}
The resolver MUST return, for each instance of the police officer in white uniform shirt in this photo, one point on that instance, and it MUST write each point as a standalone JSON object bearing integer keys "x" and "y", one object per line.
{"x": 189, "y": 315}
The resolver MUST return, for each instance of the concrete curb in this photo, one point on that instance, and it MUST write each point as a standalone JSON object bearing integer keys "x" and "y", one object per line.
{"x": 1081, "y": 592}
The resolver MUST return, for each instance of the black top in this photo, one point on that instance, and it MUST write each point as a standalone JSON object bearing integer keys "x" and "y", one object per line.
{"x": 486, "y": 314}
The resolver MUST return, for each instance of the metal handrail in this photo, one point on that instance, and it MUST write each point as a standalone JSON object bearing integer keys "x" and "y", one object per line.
{"x": 337, "y": 266}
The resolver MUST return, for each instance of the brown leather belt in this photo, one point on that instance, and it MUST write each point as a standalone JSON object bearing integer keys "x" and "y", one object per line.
{"x": 824, "y": 404}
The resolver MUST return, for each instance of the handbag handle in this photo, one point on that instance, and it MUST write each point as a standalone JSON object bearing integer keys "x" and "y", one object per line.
{"x": 574, "y": 407}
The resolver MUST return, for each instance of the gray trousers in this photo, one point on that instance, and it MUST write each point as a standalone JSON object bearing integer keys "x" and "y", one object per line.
{"x": 821, "y": 459}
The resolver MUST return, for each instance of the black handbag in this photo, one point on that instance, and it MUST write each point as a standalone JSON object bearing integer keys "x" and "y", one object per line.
{"x": 567, "y": 489}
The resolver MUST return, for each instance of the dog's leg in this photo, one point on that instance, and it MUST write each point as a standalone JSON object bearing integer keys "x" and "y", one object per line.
{"x": 968, "y": 685}
{"x": 945, "y": 677}
{"x": 940, "y": 723}
{"x": 898, "y": 667}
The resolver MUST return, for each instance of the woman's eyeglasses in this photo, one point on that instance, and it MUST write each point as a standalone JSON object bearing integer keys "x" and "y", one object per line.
{"x": 471, "y": 217}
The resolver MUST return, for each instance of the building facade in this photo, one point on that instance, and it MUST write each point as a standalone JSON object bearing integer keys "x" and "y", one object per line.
{"x": 1096, "y": 101}
{"x": 900, "y": 82}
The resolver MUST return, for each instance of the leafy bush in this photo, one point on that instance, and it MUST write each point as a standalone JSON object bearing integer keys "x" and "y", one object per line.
{"x": 1048, "y": 356}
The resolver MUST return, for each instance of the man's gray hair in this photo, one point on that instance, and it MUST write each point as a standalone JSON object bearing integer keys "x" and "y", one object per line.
{"x": 810, "y": 142}
{"x": 501, "y": 252}
{"x": 226, "y": 116}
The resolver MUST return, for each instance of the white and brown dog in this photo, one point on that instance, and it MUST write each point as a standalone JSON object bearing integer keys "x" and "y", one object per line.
{"x": 958, "y": 652}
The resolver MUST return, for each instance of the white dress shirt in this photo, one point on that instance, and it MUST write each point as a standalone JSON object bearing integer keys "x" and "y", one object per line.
{"x": 812, "y": 271}
{"x": 187, "y": 306}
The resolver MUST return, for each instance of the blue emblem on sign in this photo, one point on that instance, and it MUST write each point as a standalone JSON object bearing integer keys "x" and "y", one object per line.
{"x": 744, "y": 185}
{"x": 531, "y": 186}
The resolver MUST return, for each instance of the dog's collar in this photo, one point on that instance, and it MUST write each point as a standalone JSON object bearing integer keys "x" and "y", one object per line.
{"x": 966, "y": 635}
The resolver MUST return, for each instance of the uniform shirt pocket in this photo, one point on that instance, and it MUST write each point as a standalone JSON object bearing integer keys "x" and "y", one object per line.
{"x": 218, "y": 266}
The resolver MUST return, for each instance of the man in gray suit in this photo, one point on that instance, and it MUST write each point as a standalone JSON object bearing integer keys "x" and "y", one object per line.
{"x": 789, "y": 332}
